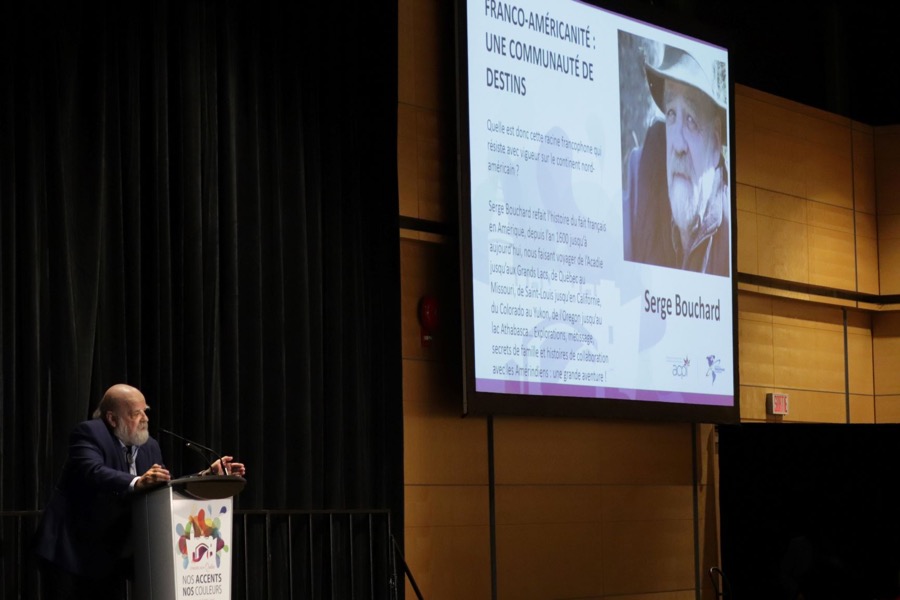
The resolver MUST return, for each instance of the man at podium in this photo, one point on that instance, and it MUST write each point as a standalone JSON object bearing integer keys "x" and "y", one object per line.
{"x": 83, "y": 541}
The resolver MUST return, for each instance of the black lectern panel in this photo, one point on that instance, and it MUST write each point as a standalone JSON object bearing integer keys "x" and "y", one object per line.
{"x": 209, "y": 487}
{"x": 811, "y": 510}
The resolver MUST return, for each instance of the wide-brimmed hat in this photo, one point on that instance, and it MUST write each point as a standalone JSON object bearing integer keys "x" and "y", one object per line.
{"x": 678, "y": 65}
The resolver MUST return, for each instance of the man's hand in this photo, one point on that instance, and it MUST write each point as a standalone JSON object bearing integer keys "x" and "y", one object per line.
{"x": 231, "y": 467}
{"x": 154, "y": 476}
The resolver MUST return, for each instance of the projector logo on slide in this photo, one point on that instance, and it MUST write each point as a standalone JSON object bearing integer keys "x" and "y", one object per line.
{"x": 715, "y": 367}
{"x": 680, "y": 366}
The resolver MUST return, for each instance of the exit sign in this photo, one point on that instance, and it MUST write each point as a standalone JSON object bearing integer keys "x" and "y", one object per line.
{"x": 777, "y": 404}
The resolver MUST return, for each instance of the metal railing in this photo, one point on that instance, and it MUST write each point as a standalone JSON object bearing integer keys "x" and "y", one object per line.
{"x": 284, "y": 554}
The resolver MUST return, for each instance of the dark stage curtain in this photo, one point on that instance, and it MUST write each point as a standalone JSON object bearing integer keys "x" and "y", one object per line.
{"x": 200, "y": 199}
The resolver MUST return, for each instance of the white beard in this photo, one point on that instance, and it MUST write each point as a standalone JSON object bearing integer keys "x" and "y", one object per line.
{"x": 689, "y": 201}
{"x": 138, "y": 438}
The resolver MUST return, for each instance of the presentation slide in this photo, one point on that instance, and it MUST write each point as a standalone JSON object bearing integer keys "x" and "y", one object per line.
{"x": 599, "y": 202}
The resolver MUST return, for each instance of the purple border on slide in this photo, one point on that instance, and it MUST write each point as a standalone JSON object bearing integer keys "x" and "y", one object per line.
{"x": 536, "y": 388}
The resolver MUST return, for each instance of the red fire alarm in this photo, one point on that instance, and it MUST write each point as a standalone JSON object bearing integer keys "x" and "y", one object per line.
{"x": 428, "y": 318}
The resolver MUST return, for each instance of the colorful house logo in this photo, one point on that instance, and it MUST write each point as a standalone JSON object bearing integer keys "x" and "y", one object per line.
{"x": 200, "y": 539}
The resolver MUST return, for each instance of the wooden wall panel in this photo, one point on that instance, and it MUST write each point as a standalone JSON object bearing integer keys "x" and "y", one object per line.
{"x": 569, "y": 490}
{"x": 889, "y": 252}
{"x": 811, "y": 177}
{"x": 867, "y": 260}
{"x": 446, "y": 505}
{"x": 426, "y": 127}
{"x": 590, "y": 451}
{"x": 551, "y": 539}
{"x": 797, "y": 347}
{"x": 439, "y": 446}
{"x": 433, "y": 53}
{"x": 406, "y": 52}
{"x": 808, "y": 345}
{"x": 777, "y": 292}
{"x": 862, "y": 409}
{"x": 832, "y": 258}
{"x": 447, "y": 533}
{"x": 435, "y": 167}
{"x": 864, "y": 168}
{"x": 781, "y": 206}
{"x": 866, "y": 226}
{"x": 778, "y": 168}
{"x": 678, "y": 595}
{"x": 643, "y": 502}
{"x": 748, "y": 161}
{"x": 859, "y": 353}
{"x": 450, "y": 562}
{"x": 407, "y": 161}
{"x": 887, "y": 175}
{"x": 753, "y": 403}
{"x": 887, "y": 408}
{"x": 807, "y": 358}
{"x": 832, "y": 218}
{"x": 559, "y": 560}
{"x": 756, "y": 353}
{"x": 783, "y": 248}
{"x": 755, "y": 307}
{"x": 808, "y": 315}
{"x": 799, "y": 155}
{"x": 828, "y": 171}
{"x": 746, "y": 198}
{"x": 887, "y": 148}
{"x": 748, "y": 247}
{"x": 793, "y": 149}
{"x": 886, "y": 353}
{"x": 865, "y": 204}
{"x": 647, "y": 556}
{"x": 546, "y": 504}
{"x": 817, "y": 407}
{"x": 550, "y": 451}
{"x": 445, "y": 456}
{"x": 806, "y": 406}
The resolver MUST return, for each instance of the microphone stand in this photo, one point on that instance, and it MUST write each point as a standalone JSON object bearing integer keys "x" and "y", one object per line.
{"x": 198, "y": 448}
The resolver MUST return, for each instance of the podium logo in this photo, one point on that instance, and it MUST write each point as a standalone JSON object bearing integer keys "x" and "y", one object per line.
{"x": 201, "y": 549}
{"x": 200, "y": 538}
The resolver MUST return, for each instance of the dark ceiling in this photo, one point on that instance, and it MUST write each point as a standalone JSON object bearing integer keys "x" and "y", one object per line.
{"x": 837, "y": 55}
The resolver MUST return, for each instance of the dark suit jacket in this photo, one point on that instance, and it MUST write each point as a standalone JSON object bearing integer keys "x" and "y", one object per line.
{"x": 86, "y": 527}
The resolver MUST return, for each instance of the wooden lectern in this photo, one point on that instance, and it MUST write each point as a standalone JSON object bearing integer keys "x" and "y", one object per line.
{"x": 183, "y": 539}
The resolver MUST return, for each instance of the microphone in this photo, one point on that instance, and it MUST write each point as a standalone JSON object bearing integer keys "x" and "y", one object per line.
{"x": 199, "y": 448}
